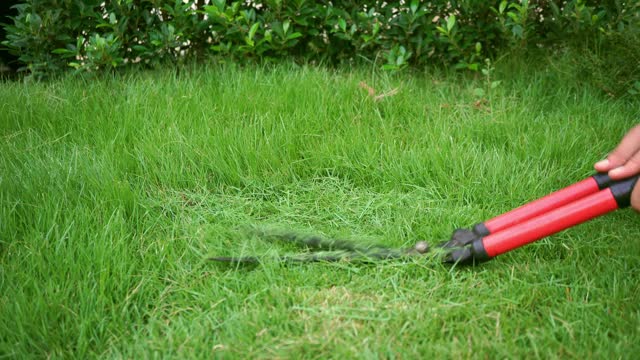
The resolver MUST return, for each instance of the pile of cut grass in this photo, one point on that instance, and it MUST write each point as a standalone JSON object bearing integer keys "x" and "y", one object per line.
{"x": 114, "y": 191}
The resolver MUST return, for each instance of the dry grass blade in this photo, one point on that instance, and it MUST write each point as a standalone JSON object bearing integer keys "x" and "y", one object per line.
{"x": 373, "y": 93}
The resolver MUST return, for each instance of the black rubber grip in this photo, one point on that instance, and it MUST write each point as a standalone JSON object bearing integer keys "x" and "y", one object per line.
{"x": 622, "y": 190}
{"x": 481, "y": 229}
{"x": 603, "y": 180}
{"x": 478, "y": 251}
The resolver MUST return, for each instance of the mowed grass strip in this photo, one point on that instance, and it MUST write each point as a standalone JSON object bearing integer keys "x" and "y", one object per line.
{"x": 114, "y": 191}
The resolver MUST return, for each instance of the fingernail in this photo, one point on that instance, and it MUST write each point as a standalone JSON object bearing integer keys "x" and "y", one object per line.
{"x": 616, "y": 171}
{"x": 603, "y": 163}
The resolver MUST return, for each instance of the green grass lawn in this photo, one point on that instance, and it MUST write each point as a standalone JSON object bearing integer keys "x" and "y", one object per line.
{"x": 113, "y": 193}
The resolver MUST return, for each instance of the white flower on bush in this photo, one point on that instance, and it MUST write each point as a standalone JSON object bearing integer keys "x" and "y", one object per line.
{"x": 253, "y": 4}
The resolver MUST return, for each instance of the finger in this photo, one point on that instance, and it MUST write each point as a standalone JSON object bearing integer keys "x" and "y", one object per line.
{"x": 629, "y": 145}
{"x": 602, "y": 165}
{"x": 630, "y": 168}
{"x": 635, "y": 197}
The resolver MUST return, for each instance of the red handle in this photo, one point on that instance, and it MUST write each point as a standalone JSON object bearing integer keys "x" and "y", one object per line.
{"x": 472, "y": 247}
{"x": 550, "y": 223}
{"x": 543, "y": 205}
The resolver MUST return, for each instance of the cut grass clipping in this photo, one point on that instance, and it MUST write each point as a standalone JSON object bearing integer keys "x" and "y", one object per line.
{"x": 114, "y": 192}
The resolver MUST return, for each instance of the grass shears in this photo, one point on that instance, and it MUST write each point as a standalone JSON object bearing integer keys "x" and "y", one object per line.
{"x": 592, "y": 197}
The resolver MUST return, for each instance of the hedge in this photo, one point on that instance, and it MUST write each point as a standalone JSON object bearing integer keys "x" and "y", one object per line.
{"x": 50, "y": 36}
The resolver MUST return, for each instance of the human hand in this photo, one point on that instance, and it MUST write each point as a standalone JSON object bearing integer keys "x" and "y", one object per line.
{"x": 624, "y": 161}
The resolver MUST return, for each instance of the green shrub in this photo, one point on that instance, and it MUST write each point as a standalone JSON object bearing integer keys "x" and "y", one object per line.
{"x": 94, "y": 35}
{"x": 614, "y": 66}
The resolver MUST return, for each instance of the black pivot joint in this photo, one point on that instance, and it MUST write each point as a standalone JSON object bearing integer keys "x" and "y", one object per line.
{"x": 465, "y": 247}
